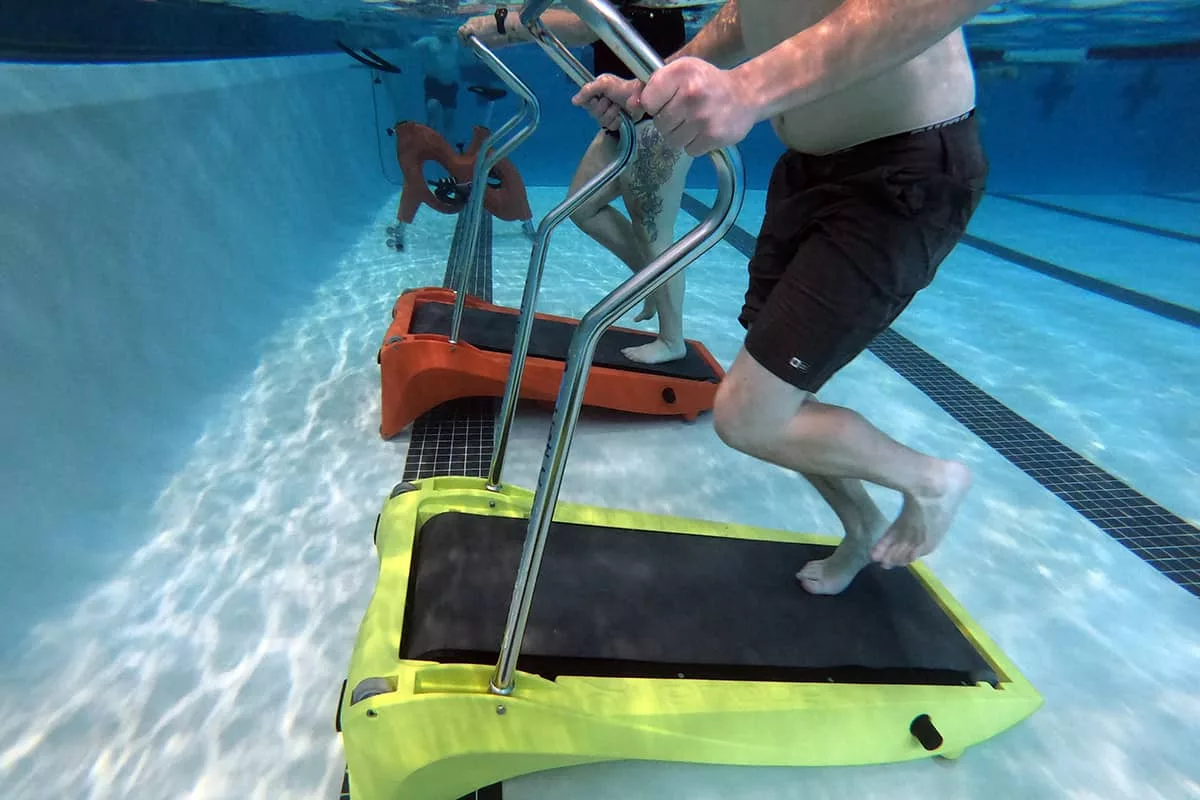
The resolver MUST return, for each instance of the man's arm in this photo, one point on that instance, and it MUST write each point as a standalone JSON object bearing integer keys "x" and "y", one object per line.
{"x": 569, "y": 29}
{"x": 719, "y": 42}
{"x": 860, "y": 39}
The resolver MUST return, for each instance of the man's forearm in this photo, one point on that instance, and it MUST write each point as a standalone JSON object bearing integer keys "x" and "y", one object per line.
{"x": 719, "y": 42}
{"x": 859, "y": 40}
{"x": 566, "y": 26}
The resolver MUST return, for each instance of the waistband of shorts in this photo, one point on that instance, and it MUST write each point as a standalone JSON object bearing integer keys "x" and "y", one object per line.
{"x": 897, "y": 137}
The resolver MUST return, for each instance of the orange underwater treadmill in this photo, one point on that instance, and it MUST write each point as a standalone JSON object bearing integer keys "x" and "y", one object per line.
{"x": 420, "y": 369}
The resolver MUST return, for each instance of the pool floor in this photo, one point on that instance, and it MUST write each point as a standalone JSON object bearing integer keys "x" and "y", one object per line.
{"x": 209, "y": 666}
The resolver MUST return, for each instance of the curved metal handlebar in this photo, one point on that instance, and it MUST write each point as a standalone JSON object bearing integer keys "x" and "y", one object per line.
{"x": 537, "y": 259}
{"x": 604, "y": 20}
{"x": 489, "y": 155}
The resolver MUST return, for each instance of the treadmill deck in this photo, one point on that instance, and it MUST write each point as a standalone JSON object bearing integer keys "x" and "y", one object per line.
{"x": 611, "y": 602}
{"x": 496, "y": 332}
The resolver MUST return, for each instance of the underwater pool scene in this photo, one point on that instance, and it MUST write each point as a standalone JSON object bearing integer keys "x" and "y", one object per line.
{"x": 249, "y": 549}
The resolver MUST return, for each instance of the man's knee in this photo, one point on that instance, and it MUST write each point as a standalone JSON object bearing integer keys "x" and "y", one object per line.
{"x": 753, "y": 407}
{"x": 732, "y": 418}
{"x": 739, "y": 418}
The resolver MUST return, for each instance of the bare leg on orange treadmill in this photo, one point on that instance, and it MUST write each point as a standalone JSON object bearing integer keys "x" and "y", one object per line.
{"x": 652, "y": 188}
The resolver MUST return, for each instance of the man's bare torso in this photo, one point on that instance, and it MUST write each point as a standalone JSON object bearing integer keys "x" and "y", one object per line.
{"x": 441, "y": 58}
{"x": 937, "y": 85}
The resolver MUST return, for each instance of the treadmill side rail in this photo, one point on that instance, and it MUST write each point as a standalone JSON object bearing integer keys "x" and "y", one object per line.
{"x": 489, "y": 156}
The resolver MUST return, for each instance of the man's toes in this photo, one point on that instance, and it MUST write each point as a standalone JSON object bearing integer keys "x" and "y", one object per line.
{"x": 880, "y": 551}
{"x": 891, "y": 555}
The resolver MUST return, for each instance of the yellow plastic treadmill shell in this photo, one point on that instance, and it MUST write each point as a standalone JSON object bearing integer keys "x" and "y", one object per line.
{"x": 430, "y": 731}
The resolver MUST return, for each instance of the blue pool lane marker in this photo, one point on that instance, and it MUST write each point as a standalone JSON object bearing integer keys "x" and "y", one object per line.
{"x": 1144, "y": 302}
{"x": 1165, "y": 233}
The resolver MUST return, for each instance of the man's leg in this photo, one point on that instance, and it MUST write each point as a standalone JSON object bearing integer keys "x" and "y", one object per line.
{"x": 843, "y": 250}
{"x": 440, "y": 102}
{"x": 863, "y": 524}
{"x": 761, "y": 415}
{"x": 449, "y": 106}
{"x": 434, "y": 116}
{"x": 653, "y": 188}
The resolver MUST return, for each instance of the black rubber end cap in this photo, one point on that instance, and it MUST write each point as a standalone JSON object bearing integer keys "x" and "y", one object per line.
{"x": 923, "y": 729}
{"x": 401, "y": 488}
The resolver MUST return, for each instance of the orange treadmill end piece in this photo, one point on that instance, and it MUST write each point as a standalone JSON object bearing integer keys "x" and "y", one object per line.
{"x": 420, "y": 371}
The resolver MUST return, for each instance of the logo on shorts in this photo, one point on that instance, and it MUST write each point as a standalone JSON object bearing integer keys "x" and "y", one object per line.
{"x": 796, "y": 363}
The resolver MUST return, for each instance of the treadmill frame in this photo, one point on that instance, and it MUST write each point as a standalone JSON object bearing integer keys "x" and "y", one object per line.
{"x": 419, "y": 372}
{"x": 433, "y": 730}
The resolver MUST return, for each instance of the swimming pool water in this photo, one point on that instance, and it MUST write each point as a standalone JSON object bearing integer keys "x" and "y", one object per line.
{"x": 194, "y": 284}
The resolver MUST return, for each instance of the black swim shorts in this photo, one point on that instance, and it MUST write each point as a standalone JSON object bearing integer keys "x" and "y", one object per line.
{"x": 444, "y": 93}
{"x": 662, "y": 28}
{"x": 847, "y": 241}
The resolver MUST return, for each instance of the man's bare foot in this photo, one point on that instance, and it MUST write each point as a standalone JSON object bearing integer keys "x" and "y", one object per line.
{"x": 924, "y": 518}
{"x": 657, "y": 352}
{"x": 832, "y": 575}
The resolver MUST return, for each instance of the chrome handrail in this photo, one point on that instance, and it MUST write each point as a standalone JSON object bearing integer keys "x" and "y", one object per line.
{"x": 489, "y": 155}
{"x": 559, "y": 53}
{"x": 604, "y": 20}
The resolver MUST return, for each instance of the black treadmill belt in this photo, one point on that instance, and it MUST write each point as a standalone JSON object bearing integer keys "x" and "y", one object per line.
{"x": 494, "y": 331}
{"x": 625, "y": 603}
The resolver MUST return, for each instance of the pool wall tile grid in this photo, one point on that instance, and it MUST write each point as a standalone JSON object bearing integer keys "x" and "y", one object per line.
{"x": 456, "y": 437}
{"x": 1163, "y": 539}
{"x": 453, "y": 439}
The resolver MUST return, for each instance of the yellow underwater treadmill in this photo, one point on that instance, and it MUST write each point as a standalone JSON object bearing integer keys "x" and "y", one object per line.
{"x": 650, "y": 637}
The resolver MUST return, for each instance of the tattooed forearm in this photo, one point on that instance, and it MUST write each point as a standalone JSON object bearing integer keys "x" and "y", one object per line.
{"x": 653, "y": 168}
